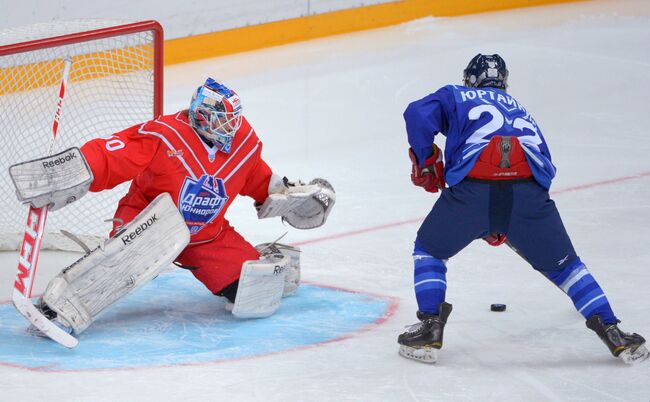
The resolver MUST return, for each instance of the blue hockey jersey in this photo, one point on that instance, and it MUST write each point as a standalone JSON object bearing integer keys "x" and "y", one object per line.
{"x": 469, "y": 118}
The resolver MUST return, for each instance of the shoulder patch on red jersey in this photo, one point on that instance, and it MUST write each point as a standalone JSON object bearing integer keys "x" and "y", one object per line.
{"x": 174, "y": 153}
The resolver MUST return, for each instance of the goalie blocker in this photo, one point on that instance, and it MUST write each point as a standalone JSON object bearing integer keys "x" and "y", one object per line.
{"x": 53, "y": 181}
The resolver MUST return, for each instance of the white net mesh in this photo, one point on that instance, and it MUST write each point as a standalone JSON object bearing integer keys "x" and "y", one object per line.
{"x": 110, "y": 87}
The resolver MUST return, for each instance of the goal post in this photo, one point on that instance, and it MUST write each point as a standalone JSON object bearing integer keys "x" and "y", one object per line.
{"x": 115, "y": 81}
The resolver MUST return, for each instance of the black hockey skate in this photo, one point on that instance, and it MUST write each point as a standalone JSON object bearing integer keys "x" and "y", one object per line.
{"x": 628, "y": 347}
{"x": 423, "y": 339}
{"x": 50, "y": 315}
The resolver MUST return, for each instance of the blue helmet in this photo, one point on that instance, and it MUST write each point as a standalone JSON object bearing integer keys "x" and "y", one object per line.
{"x": 216, "y": 113}
{"x": 486, "y": 70}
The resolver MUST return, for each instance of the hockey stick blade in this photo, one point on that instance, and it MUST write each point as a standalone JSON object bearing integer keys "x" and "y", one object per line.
{"x": 47, "y": 327}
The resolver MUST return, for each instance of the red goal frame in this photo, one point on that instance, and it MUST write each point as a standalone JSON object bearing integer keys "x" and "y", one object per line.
{"x": 102, "y": 33}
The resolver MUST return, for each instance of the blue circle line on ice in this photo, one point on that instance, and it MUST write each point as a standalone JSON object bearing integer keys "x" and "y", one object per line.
{"x": 174, "y": 321}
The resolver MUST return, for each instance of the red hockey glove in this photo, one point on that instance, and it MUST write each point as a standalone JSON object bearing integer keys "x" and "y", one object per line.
{"x": 431, "y": 176}
{"x": 495, "y": 239}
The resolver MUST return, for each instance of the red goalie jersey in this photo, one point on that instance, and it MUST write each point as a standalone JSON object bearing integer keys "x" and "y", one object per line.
{"x": 167, "y": 155}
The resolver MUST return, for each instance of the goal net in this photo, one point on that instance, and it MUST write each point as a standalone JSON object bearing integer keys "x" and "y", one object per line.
{"x": 115, "y": 82}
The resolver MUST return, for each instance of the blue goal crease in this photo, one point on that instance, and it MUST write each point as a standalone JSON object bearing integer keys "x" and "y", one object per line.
{"x": 174, "y": 321}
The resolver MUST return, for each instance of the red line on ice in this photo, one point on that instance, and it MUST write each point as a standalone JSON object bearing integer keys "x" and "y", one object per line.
{"x": 417, "y": 220}
{"x": 393, "y": 302}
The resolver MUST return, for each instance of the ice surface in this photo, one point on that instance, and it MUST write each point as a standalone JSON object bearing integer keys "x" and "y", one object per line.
{"x": 174, "y": 320}
{"x": 332, "y": 108}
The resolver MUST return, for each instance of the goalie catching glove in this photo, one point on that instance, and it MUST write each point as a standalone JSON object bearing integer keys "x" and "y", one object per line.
{"x": 53, "y": 181}
{"x": 303, "y": 206}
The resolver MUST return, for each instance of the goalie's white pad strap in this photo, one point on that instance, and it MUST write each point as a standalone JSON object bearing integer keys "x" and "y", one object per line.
{"x": 134, "y": 256}
{"x": 55, "y": 180}
{"x": 260, "y": 288}
{"x": 292, "y": 269}
{"x": 304, "y": 206}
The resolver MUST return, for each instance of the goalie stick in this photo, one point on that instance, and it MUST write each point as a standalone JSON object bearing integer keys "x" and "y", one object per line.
{"x": 30, "y": 247}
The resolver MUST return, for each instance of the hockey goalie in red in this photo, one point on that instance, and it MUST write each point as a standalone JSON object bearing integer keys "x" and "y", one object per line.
{"x": 200, "y": 159}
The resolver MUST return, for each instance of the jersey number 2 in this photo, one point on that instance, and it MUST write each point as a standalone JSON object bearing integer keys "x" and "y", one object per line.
{"x": 497, "y": 122}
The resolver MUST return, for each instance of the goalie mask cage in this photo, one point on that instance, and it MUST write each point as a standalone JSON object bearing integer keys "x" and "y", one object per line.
{"x": 115, "y": 82}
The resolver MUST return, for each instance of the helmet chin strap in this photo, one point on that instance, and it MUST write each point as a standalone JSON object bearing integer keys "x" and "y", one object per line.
{"x": 212, "y": 143}
{"x": 208, "y": 142}
{"x": 204, "y": 138}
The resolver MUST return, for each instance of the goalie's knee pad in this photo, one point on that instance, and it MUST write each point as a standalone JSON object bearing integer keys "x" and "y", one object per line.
{"x": 292, "y": 267}
{"x": 125, "y": 262}
{"x": 264, "y": 282}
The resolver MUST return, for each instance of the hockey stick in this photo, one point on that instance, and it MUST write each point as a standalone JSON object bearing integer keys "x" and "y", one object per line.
{"x": 30, "y": 248}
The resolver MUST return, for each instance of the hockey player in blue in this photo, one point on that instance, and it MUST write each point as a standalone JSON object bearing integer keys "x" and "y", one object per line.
{"x": 498, "y": 169}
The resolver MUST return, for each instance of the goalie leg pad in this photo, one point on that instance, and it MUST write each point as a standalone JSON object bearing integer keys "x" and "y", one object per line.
{"x": 55, "y": 180}
{"x": 135, "y": 255}
{"x": 292, "y": 269}
{"x": 261, "y": 286}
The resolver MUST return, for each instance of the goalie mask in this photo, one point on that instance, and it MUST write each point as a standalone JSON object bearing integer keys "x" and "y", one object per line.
{"x": 485, "y": 70}
{"x": 216, "y": 113}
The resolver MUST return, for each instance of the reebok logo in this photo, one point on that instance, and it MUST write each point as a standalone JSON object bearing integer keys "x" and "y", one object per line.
{"x": 563, "y": 260}
{"x": 129, "y": 237}
{"x": 60, "y": 160}
{"x": 277, "y": 270}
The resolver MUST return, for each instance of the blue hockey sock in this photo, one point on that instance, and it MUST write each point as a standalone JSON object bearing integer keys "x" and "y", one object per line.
{"x": 587, "y": 296}
{"x": 430, "y": 280}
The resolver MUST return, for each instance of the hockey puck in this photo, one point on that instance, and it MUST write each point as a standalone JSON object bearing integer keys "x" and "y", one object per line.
{"x": 498, "y": 307}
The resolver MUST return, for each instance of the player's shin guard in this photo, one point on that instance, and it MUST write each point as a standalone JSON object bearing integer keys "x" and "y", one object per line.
{"x": 587, "y": 296}
{"x": 430, "y": 280}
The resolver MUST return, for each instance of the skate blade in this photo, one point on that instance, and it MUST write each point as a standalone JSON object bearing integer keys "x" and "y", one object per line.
{"x": 635, "y": 356}
{"x": 424, "y": 355}
{"x": 33, "y": 331}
